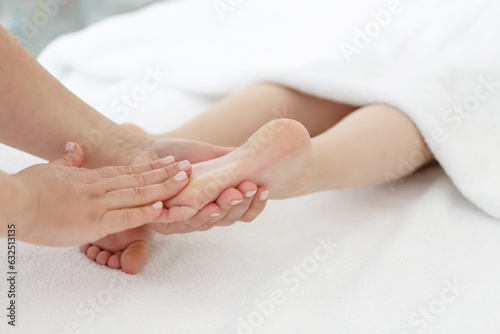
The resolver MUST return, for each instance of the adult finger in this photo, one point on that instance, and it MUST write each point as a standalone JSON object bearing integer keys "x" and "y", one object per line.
{"x": 137, "y": 196}
{"x": 145, "y": 179}
{"x": 191, "y": 224}
{"x": 72, "y": 157}
{"x": 227, "y": 201}
{"x": 247, "y": 190}
{"x": 258, "y": 205}
{"x": 136, "y": 169}
{"x": 114, "y": 221}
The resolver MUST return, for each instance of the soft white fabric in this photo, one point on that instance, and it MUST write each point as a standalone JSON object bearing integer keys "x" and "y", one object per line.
{"x": 395, "y": 253}
{"x": 398, "y": 249}
{"x": 427, "y": 58}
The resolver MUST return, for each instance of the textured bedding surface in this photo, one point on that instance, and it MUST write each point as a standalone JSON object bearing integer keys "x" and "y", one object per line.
{"x": 419, "y": 258}
{"x": 413, "y": 257}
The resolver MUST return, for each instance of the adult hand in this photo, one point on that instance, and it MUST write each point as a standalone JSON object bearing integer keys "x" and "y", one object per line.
{"x": 64, "y": 205}
{"x": 244, "y": 203}
{"x": 26, "y": 87}
{"x": 141, "y": 148}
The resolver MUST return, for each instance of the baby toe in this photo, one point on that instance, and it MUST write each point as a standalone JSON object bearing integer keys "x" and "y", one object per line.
{"x": 92, "y": 252}
{"x": 114, "y": 261}
{"x": 103, "y": 257}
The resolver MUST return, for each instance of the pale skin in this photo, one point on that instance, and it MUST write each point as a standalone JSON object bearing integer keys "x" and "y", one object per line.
{"x": 319, "y": 145}
{"x": 281, "y": 155}
{"x": 40, "y": 116}
{"x": 103, "y": 201}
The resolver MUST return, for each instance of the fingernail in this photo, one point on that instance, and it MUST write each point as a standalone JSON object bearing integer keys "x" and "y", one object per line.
{"x": 69, "y": 147}
{"x": 236, "y": 202}
{"x": 158, "y": 205}
{"x": 215, "y": 214}
{"x": 250, "y": 194}
{"x": 264, "y": 195}
{"x": 184, "y": 166}
{"x": 168, "y": 160}
{"x": 182, "y": 176}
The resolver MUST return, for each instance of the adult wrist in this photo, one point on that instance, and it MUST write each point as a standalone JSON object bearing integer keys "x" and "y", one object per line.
{"x": 111, "y": 144}
{"x": 15, "y": 207}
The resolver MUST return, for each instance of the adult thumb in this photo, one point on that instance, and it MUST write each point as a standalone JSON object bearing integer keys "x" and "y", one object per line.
{"x": 72, "y": 157}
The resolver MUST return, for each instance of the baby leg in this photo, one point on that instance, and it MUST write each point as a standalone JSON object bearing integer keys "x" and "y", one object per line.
{"x": 369, "y": 147}
{"x": 363, "y": 149}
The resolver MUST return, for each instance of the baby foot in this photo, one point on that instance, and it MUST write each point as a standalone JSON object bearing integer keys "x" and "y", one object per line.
{"x": 279, "y": 156}
{"x": 128, "y": 250}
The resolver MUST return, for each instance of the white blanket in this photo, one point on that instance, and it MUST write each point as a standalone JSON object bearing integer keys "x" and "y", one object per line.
{"x": 410, "y": 259}
{"x": 438, "y": 61}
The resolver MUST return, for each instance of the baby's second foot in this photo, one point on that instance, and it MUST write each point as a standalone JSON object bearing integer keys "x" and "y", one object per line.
{"x": 128, "y": 250}
{"x": 279, "y": 156}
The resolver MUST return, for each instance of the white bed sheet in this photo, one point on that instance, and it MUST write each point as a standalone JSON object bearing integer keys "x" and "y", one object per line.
{"x": 394, "y": 251}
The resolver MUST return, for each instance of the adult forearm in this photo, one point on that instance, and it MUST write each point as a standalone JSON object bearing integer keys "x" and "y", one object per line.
{"x": 13, "y": 201}
{"x": 38, "y": 114}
